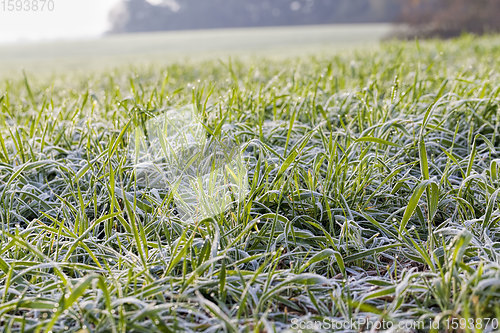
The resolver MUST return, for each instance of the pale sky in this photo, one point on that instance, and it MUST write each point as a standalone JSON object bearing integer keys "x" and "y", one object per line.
{"x": 69, "y": 19}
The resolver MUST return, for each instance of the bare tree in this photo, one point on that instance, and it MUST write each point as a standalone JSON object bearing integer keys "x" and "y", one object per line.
{"x": 448, "y": 18}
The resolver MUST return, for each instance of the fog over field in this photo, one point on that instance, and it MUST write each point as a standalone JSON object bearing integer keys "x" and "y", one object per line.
{"x": 164, "y": 47}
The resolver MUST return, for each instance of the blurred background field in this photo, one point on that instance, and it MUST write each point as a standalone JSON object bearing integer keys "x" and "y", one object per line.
{"x": 98, "y": 34}
{"x": 180, "y": 46}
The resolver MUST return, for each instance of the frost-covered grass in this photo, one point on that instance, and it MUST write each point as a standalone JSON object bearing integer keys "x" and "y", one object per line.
{"x": 373, "y": 193}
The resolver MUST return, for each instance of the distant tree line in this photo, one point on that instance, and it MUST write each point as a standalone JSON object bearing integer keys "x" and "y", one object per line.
{"x": 426, "y": 17}
{"x": 141, "y": 15}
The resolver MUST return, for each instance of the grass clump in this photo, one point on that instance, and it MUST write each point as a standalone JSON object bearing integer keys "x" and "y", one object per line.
{"x": 373, "y": 195}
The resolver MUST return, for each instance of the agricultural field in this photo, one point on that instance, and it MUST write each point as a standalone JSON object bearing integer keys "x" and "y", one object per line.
{"x": 365, "y": 193}
{"x": 159, "y": 48}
